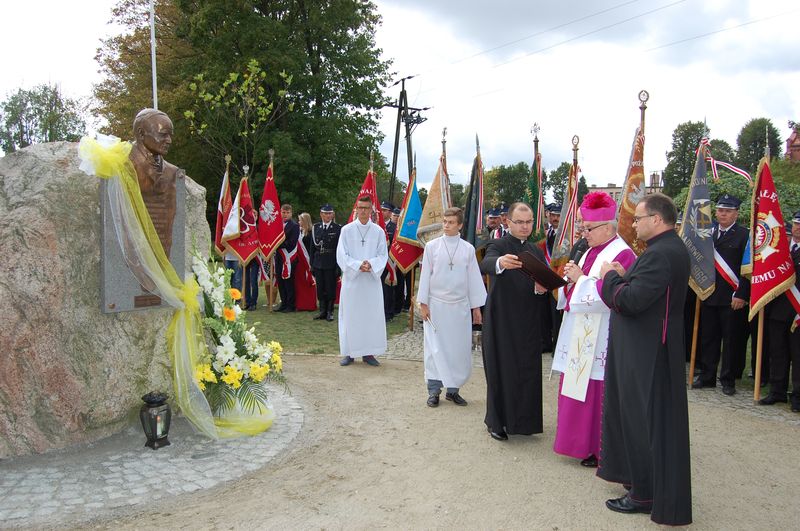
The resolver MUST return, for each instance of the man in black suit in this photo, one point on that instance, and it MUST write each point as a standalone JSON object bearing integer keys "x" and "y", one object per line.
{"x": 286, "y": 252}
{"x": 553, "y": 219}
{"x": 784, "y": 345}
{"x": 723, "y": 315}
{"x": 325, "y": 238}
{"x": 388, "y": 291}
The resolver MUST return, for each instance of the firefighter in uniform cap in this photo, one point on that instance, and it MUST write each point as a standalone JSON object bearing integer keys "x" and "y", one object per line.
{"x": 325, "y": 238}
{"x": 723, "y": 315}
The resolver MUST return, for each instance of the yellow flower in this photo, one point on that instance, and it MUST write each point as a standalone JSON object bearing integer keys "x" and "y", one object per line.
{"x": 232, "y": 377}
{"x": 229, "y": 314}
{"x": 203, "y": 373}
{"x": 258, "y": 372}
{"x": 235, "y": 294}
{"x": 277, "y": 362}
{"x": 274, "y": 346}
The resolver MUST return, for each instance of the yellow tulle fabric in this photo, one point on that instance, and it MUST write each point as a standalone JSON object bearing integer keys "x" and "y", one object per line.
{"x": 107, "y": 158}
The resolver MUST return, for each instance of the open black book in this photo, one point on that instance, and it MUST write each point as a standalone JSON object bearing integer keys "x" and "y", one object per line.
{"x": 540, "y": 272}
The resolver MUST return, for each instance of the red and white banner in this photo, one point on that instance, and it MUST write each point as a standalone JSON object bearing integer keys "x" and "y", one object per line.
{"x": 773, "y": 269}
{"x": 240, "y": 234}
{"x": 223, "y": 211}
{"x": 270, "y": 224}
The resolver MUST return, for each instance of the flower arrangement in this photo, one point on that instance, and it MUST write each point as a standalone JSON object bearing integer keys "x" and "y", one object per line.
{"x": 238, "y": 362}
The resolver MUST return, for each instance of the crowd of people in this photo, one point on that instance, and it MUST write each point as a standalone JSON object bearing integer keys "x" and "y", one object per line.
{"x": 618, "y": 329}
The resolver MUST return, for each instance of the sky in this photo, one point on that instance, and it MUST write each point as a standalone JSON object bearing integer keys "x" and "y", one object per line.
{"x": 493, "y": 69}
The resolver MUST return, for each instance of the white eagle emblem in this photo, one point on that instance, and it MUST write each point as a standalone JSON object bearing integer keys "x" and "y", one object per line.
{"x": 267, "y": 212}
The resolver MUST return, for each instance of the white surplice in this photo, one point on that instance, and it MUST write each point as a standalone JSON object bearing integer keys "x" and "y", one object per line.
{"x": 569, "y": 354}
{"x": 450, "y": 294}
{"x": 362, "y": 325}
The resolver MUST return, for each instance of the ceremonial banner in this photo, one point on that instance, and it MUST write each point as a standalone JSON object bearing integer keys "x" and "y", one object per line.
{"x": 633, "y": 191}
{"x": 369, "y": 188}
{"x": 696, "y": 230}
{"x": 240, "y": 235}
{"x": 582, "y": 345}
{"x": 270, "y": 223}
{"x": 773, "y": 269}
{"x": 533, "y": 193}
{"x": 223, "y": 211}
{"x": 473, "y": 213}
{"x": 565, "y": 236}
{"x": 406, "y": 250}
{"x": 430, "y": 225}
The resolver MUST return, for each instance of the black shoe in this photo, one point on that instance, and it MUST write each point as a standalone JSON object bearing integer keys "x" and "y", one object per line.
{"x": 698, "y": 383}
{"x": 628, "y": 505}
{"x": 370, "y": 360}
{"x": 772, "y": 399}
{"x": 796, "y": 406}
{"x": 590, "y": 462}
{"x": 321, "y": 315}
{"x": 455, "y": 398}
{"x": 279, "y": 308}
{"x": 347, "y": 360}
{"x": 728, "y": 390}
{"x": 498, "y": 435}
{"x": 433, "y": 400}
{"x": 329, "y": 317}
{"x": 288, "y": 310}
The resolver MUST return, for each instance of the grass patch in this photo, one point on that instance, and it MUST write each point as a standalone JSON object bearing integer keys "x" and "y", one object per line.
{"x": 299, "y": 332}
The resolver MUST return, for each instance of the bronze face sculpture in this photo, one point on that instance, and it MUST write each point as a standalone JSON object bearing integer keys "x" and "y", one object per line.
{"x": 153, "y": 130}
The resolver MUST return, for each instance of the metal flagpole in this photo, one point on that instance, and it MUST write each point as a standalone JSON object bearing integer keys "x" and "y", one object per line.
{"x": 153, "y": 51}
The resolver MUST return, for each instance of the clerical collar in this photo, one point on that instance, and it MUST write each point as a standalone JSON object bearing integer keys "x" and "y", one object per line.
{"x": 522, "y": 242}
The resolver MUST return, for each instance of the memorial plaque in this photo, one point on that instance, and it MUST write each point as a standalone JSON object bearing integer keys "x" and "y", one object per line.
{"x": 121, "y": 291}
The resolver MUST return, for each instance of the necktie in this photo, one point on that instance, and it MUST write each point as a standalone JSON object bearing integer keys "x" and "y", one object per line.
{"x": 325, "y": 226}
{"x": 720, "y": 234}
{"x": 794, "y": 246}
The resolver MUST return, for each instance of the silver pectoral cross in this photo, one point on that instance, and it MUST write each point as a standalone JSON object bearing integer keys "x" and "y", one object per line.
{"x": 451, "y": 266}
{"x": 362, "y": 242}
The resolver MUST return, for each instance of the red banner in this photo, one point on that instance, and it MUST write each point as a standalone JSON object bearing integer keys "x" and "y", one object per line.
{"x": 370, "y": 188}
{"x": 270, "y": 223}
{"x": 773, "y": 270}
{"x": 240, "y": 235}
{"x": 223, "y": 211}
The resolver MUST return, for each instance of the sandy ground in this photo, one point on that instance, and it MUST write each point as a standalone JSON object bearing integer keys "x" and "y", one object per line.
{"x": 372, "y": 455}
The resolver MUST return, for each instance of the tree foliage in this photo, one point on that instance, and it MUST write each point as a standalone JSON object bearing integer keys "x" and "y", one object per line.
{"x": 680, "y": 159}
{"x": 41, "y": 114}
{"x": 556, "y": 181}
{"x": 326, "y": 48}
{"x": 458, "y": 195}
{"x": 506, "y": 184}
{"x": 752, "y": 141}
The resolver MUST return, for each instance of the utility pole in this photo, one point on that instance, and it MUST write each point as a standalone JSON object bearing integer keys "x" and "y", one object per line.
{"x": 411, "y": 118}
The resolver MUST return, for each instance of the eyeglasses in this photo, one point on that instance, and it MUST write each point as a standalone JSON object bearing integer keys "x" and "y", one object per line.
{"x": 637, "y": 219}
{"x": 590, "y": 229}
{"x": 522, "y": 222}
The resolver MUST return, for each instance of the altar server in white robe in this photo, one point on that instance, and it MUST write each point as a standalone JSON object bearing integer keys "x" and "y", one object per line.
{"x": 451, "y": 293}
{"x": 361, "y": 255}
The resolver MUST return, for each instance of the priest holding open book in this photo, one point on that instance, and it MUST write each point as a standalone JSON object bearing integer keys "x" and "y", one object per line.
{"x": 512, "y": 336}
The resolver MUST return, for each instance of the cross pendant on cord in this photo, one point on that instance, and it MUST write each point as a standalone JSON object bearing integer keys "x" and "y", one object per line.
{"x": 362, "y": 242}
{"x": 451, "y": 266}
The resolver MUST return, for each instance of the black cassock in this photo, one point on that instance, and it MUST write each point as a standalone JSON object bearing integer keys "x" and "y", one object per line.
{"x": 512, "y": 343}
{"x": 645, "y": 429}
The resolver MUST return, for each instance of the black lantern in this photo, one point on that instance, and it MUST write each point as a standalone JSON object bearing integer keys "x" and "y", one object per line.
{"x": 155, "y": 415}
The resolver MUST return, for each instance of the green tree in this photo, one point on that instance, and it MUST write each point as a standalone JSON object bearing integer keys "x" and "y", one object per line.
{"x": 556, "y": 181}
{"x": 328, "y": 49}
{"x": 680, "y": 159}
{"x": 752, "y": 140}
{"x": 721, "y": 150}
{"x": 41, "y": 114}
{"x": 506, "y": 184}
{"x": 423, "y": 195}
{"x": 457, "y": 195}
{"x": 583, "y": 189}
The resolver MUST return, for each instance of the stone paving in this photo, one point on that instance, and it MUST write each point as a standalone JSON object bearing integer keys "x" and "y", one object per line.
{"x": 81, "y": 483}
{"x": 86, "y": 482}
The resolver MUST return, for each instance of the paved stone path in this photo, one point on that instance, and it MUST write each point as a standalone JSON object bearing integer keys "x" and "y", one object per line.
{"x": 81, "y": 483}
